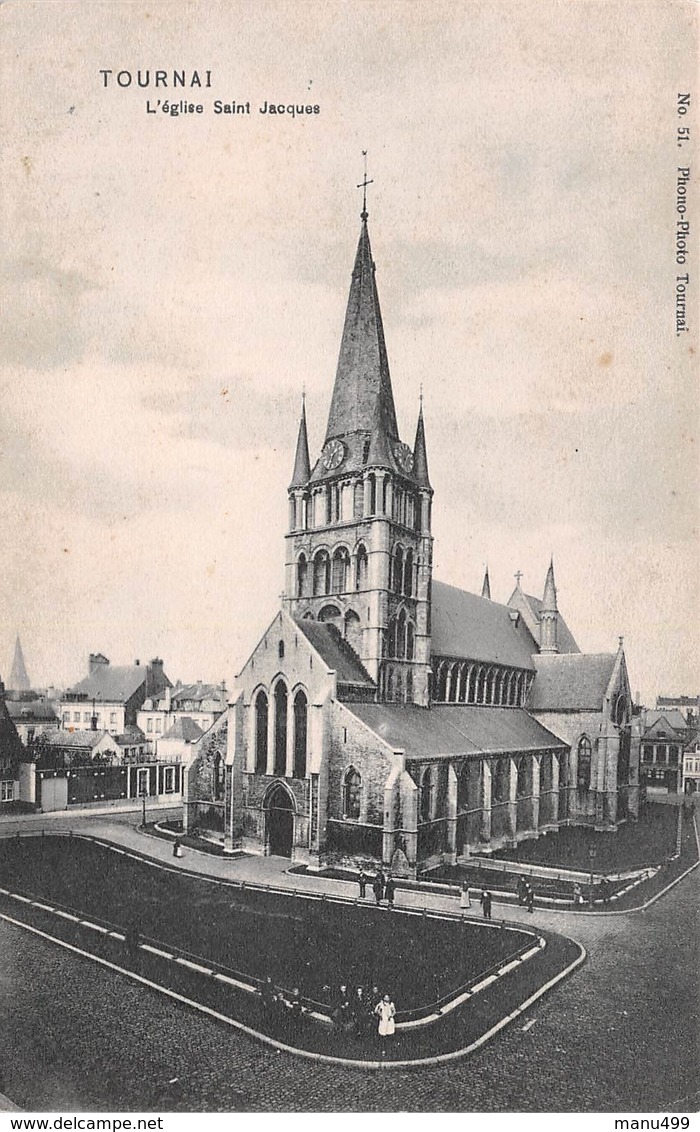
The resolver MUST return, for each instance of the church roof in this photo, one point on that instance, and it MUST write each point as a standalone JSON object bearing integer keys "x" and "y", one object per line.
{"x": 464, "y": 625}
{"x": 455, "y": 729}
{"x": 336, "y": 652}
{"x": 571, "y": 681}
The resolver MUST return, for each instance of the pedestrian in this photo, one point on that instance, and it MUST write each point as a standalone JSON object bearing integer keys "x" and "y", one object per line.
{"x": 177, "y": 848}
{"x": 578, "y": 894}
{"x": 386, "y": 1013}
{"x": 342, "y": 1014}
{"x": 522, "y": 890}
{"x": 464, "y": 897}
{"x": 378, "y": 887}
{"x": 267, "y": 994}
{"x": 605, "y": 890}
{"x": 362, "y": 881}
{"x": 293, "y": 1010}
{"x": 389, "y": 890}
{"x": 486, "y": 899}
{"x": 530, "y": 899}
{"x": 359, "y": 1010}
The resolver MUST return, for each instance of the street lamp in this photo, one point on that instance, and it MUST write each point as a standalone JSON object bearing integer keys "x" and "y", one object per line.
{"x": 591, "y": 858}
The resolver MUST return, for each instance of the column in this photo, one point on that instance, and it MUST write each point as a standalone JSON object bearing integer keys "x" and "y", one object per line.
{"x": 486, "y": 770}
{"x": 451, "y": 839}
{"x": 554, "y": 804}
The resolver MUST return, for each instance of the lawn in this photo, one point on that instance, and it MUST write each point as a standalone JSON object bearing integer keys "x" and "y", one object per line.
{"x": 298, "y": 942}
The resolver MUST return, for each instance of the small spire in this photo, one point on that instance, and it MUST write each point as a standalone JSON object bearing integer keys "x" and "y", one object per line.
{"x": 302, "y": 465}
{"x": 518, "y": 575}
{"x": 549, "y": 599}
{"x": 420, "y": 452}
{"x": 486, "y": 587}
{"x": 621, "y": 643}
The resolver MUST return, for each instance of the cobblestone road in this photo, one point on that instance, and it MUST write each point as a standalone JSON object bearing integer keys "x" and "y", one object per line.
{"x": 620, "y": 1035}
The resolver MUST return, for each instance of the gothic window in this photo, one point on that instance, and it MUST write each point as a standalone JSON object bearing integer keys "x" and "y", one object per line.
{"x": 352, "y": 790}
{"x": 481, "y": 686}
{"x": 521, "y": 785}
{"x": 408, "y": 574}
{"x": 341, "y": 567}
{"x": 583, "y": 773}
{"x": 322, "y": 572}
{"x": 330, "y": 614}
{"x": 280, "y": 728}
{"x": 410, "y": 641}
{"x": 361, "y": 567}
{"x": 471, "y": 685}
{"x": 427, "y": 795}
{"x": 302, "y": 570}
{"x": 391, "y": 639}
{"x": 372, "y": 494}
{"x": 261, "y": 733}
{"x": 441, "y": 689}
{"x": 401, "y": 634}
{"x": 501, "y": 781}
{"x": 620, "y": 710}
{"x": 300, "y": 731}
{"x": 398, "y": 570}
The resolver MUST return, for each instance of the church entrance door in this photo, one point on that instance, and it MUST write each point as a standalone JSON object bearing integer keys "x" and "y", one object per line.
{"x": 279, "y": 823}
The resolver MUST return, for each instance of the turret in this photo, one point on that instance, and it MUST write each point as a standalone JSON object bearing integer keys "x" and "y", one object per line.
{"x": 549, "y": 614}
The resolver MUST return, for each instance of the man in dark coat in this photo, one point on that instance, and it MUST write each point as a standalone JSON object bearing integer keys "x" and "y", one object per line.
{"x": 378, "y": 886}
{"x": 486, "y": 903}
{"x": 362, "y": 881}
{"x": 530, "y": 898}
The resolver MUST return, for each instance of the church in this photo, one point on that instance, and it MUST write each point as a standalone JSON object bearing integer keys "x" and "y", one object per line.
{"x": 385, "y": 716}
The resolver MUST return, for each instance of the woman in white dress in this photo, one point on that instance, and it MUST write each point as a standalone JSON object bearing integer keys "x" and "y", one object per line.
{"x": 386, "y": 1012}
{"x": 464, "y": 897}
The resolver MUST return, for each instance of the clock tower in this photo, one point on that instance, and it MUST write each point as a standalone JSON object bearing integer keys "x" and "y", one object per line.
{"x": 359, "y": 548}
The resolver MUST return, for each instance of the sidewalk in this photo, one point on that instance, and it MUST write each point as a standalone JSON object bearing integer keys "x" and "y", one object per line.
{"x": 274, "y": 871}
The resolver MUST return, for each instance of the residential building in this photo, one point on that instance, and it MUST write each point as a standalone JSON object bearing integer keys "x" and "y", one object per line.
{"x": 110, "y": 696}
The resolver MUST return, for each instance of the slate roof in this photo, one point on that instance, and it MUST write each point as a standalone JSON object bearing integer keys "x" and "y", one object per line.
{"x": 11, "y": 749}
{"x": 185, "y": 729}
{"x": 132, "y": 735}
{"x": 455, "y": 729}
{"x": 336, "y": 653}
{"x": 565, "y": 638}
{"x": 673, "y": 717}
{"x": 111, "y": 683}
{"x": 197, "y": 693}
{"x": 78, "y": 738}
{"x": 464, "y": 625}
{"x": 571, "y": 681}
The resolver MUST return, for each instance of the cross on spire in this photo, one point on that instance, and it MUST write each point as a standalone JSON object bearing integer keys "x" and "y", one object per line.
{"x": 363, "y": 185}
{"x": 518, "y": 576}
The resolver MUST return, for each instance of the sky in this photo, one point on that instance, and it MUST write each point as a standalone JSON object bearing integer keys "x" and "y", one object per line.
{"x": 170, "y": 284}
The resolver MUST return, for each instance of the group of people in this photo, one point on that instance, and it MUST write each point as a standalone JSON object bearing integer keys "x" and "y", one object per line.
{"x": 285, "y": 1010}
{"x": 383, "y": 887}
{"x": 360, "y": 1011}
{"x": 526, "y": 894}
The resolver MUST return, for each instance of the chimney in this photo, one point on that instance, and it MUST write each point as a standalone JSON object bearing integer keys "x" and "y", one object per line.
{"x": 96, "y": 660}
{"x": 155, "y": 679}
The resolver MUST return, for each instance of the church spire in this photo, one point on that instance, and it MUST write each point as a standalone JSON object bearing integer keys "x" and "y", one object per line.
{"x": 302, "y": 464}
{"x": 486, "y": 587}
{"x": 420, "y": 453}
{"x": 549, "y": 599}
{"x": 362, "y": 395}
{"x": 19, "y": 680}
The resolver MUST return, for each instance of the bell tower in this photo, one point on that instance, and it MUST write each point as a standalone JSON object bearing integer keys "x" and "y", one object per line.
{"x": 359, "y": 547}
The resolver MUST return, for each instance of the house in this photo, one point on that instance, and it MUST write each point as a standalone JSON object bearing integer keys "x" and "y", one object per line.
{"x": 11, "y": 754}
{"x": 664, "y": 733}
{"x": 33, "y": 715}
{"x": 110, "y": 696}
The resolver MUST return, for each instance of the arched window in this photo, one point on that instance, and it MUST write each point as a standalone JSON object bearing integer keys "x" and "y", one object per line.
{"x": 219, "y": 778}
{"x": 358, "y": 500}
{"x": 481, "y": 686}
{"x": 441, "y": 688}
{"x": 583, "y": 771}
{"x": 501, "y": 780}
{"x": 521, "y": 787}
{"x": 300, "y": 731}
{"x": 361, "y": 567}
{"x": 398, "y": 570}
{"x": 341, "y": 567}
{"x": 427, "y": 795}
{"x": 408, "y": 574}
{"x": 261, "y": 733}
{"x": 352, "y": 791}
{"x": 372, "y": 493}
{"x": 410, "y": 640}
{"x": 330, "y": 614}
{"x": 322, "y": 573}
{"x": 401, "y": 634}
{"x": 302, "y": 570}
{"x": 391, "y": 639}
{"x": 471, "y": 686}
{"x": 280, "y": 728}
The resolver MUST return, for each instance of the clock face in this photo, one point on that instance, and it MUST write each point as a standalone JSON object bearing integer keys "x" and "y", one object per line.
{"x": 333, "y": 455}
{"x": 404, "y": 457}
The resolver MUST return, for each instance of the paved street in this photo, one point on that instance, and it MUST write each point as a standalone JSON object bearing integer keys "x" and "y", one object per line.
{"x": 620, "y": 1035}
